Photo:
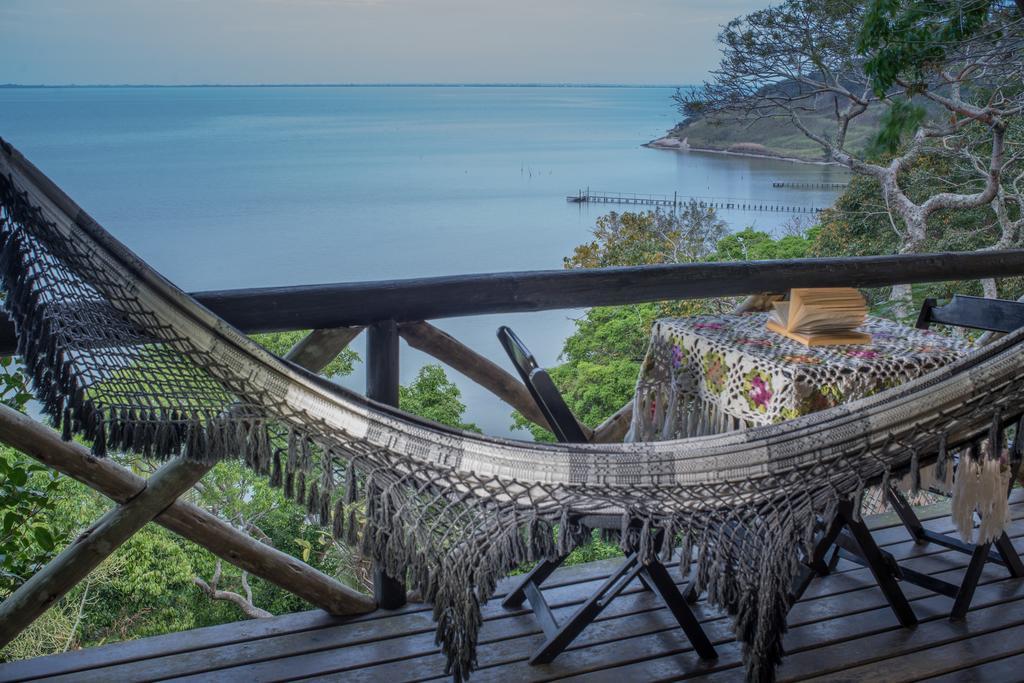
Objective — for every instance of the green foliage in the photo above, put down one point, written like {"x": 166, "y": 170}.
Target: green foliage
{"x": 147, "y": 587}
{"x": 907, "y": 42}
{"x": 28, "y": 540}
{"x": 279, "y": 343}
{"x": 28, "y": 536}
{"x": 148, "y": 592}
{"x": 591, "y": 550}
{"x": 755, "y": 245}
{"x": 14, "y": 391}
{"x": 900, "y": 120}
{"x": 636, "y": 239}
{"x": 433, "y": 396}
{"x": 909, "y": 38}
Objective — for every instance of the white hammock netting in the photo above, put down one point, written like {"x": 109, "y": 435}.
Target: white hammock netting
{"x": 122, "y": 357}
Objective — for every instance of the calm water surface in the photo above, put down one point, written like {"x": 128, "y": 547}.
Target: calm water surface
{"x": 240, "y": 187}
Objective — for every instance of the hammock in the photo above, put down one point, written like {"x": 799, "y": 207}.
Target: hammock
{"x": 120, "y": 356}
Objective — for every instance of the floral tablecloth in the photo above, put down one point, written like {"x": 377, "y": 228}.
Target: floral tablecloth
{"x": 712, "y": 374}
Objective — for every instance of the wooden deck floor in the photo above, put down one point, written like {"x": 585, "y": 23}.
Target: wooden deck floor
{"x": 841, "y": 631}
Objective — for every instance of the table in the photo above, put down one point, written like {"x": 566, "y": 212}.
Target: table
{"x": 716, "y": 373}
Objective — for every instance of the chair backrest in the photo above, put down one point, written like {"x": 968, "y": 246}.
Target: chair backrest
{"x": 993, "y": 315}
{"x": 563, "y": 423}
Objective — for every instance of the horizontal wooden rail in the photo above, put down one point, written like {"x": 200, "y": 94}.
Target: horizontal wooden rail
{"x": 274, "y": 309}
{"x": 324, "y": 306}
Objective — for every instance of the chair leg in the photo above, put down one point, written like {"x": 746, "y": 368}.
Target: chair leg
{"x": 1004, "y": 554}
{"x": 669, "y": 592}
{"x": 559, "y": 636}
{"x": 1011, "y": 558}
{"x": 815, "y": 564}
{"x": 881, "y": 564}
{"x": 901, "y": 506}
{"x": 536, "y": 576}
{"x": 965, "y": 593}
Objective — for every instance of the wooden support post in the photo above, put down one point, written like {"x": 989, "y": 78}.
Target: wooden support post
{"x": 320, "y": 347}
{"x": 382, "y": 385}
{"x": 613, "y": 430}
{"x": 98, "y": 542}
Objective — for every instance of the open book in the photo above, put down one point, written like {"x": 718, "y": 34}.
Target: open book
{"x": 817, "y": 317}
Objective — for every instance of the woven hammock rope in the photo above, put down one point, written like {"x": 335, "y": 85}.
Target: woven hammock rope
{"x": 120, "y": 356}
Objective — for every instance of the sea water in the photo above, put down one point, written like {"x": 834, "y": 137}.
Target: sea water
{"x": 230, "y": 187}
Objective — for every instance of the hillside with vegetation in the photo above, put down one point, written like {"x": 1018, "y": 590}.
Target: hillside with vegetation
{"x": 768, "y": 136}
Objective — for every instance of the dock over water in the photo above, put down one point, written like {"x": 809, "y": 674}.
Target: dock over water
{"x": 676, "y": 201}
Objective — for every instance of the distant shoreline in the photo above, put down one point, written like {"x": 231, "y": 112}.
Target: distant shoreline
{"x": 335, "y": 85}
{"x": 676, "y": 145}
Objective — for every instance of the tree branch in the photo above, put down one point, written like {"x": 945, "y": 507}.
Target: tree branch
{"x": 243, "y": 603}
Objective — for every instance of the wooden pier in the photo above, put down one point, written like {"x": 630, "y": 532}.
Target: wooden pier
{"x": 675, "y": 201}
{"x": 809, "y": 186}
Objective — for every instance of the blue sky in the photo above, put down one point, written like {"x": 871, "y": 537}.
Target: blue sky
{"x": 361, "y": 41}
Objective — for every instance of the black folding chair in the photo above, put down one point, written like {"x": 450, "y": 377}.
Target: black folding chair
{"x": 653, "y": 576}
{"x": 991, "y": 315}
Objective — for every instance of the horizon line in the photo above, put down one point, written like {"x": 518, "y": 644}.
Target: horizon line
{"x": 438, "y": 84}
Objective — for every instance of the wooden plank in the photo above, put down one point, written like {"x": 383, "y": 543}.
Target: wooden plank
{"x": 843, "y": 581}
{"x": 650, "y": 658}
{"x": 381, "y": 638}
{"x": 997, "y": 642}
{"x": 318, "y": 348}
{"x": 811, "y": 610}
{"x": 506, "y": 637}
{"x": 654, "y": 635}
{"x": 994, "y": 671}
{"x": 613, "y": 430}
{"x": 327, "y": 306}
{"x": 241, "y": 631}
{"x": 890, "y": 649}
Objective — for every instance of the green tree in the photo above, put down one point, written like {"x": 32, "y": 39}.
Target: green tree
{"x": 910, "y": 39}
{"x": 28, "y": 539}
{"x": 823, "y": 68}
{"x": 636, "y": 239}
{"x": 755, "y": 245}
{"x": 433, "y": 396}
{"x": 29, "y": 534}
